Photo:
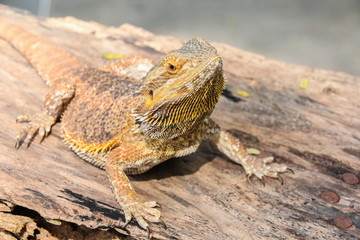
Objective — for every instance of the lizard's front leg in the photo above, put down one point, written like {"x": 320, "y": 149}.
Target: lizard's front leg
{"x": 133, "y": 159}
{"x": 236, "y": 151}
{"x": 55, "y": 102}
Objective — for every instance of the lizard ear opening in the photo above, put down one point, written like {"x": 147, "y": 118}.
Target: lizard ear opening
{"x": 149, "y": 97}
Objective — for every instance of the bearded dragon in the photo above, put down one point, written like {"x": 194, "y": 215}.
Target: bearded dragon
{"x": 131, "y": 115}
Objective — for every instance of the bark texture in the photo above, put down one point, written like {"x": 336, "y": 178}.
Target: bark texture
{"x": 47, "y": 192}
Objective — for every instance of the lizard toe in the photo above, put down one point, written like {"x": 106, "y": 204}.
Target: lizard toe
{"x": 143, "y": 213}
{"x": 151, "y": 204}
{"x": 39, "y": 123}
{"x": 261, "y": 169}
{"x": 23, "y": 118}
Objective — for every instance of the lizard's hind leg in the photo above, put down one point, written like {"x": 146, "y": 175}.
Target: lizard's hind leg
{"x": 41, "y": 123}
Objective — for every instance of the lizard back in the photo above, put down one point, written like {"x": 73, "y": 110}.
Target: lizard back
{"x": 99, "y": 114}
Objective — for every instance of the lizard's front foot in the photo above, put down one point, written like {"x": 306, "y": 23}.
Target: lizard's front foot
{"x": 261, "y": 168}
{"x": 143, "y": 213}
{"x": 40, "y": 123}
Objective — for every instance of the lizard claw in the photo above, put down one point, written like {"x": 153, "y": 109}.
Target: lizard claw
{"x": 142, "y": 213}
{"x": 279, "y": 178}
{"x": 39, "y": 123}
{"x": 263, "y": 180}
{"x": 163, "y": 223}
{"x": 261, "y": 169}
{"x": 17, "y": 143}
{"x": 290, "y": 170}
{"x": 248, "y": 178}
{"x": 127, "y": 221}
{"x": 149, "y": 236}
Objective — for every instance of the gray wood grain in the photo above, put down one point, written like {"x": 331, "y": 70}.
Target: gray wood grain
{"x": 315, "y": 131}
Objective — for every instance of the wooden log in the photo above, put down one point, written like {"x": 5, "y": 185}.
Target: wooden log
{"x": 313, "y": 130}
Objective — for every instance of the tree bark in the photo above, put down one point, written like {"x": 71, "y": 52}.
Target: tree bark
{"x": 48, "y": 192}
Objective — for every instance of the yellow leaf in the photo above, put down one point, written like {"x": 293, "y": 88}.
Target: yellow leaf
{"x": 54, "y": 221}
{"x": 110, "y": 56}
{"x": 243, "y": 93}
{"x": 304, "y": 83}
{"x": 253, "y": 151}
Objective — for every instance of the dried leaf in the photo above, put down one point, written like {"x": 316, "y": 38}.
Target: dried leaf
{"x": 304, "y": 83}
{"x": 54, "y": 221}
{"x": 243, "y": 93}
{"x": 253, "y": 151}
{"x": 110, "y": 56}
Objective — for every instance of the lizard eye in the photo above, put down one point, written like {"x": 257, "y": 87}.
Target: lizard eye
{"x": 171, "y": 68}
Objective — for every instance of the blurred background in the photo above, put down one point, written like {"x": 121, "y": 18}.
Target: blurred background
{"x": 321, "y": 34}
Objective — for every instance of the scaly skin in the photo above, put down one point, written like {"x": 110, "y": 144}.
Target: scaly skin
{"x": 130, "y": 116}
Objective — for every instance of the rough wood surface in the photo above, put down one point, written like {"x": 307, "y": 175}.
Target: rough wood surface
{"x": 315, "y": 131}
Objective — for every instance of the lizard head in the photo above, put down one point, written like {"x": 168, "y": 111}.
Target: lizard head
{"x": 180, "y": 91}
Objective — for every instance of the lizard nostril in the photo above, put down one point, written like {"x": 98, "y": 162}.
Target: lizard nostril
{"x": 151, "y": 94}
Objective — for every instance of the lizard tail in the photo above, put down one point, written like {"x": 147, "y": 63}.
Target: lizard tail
{"x": 49, "y": 61}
